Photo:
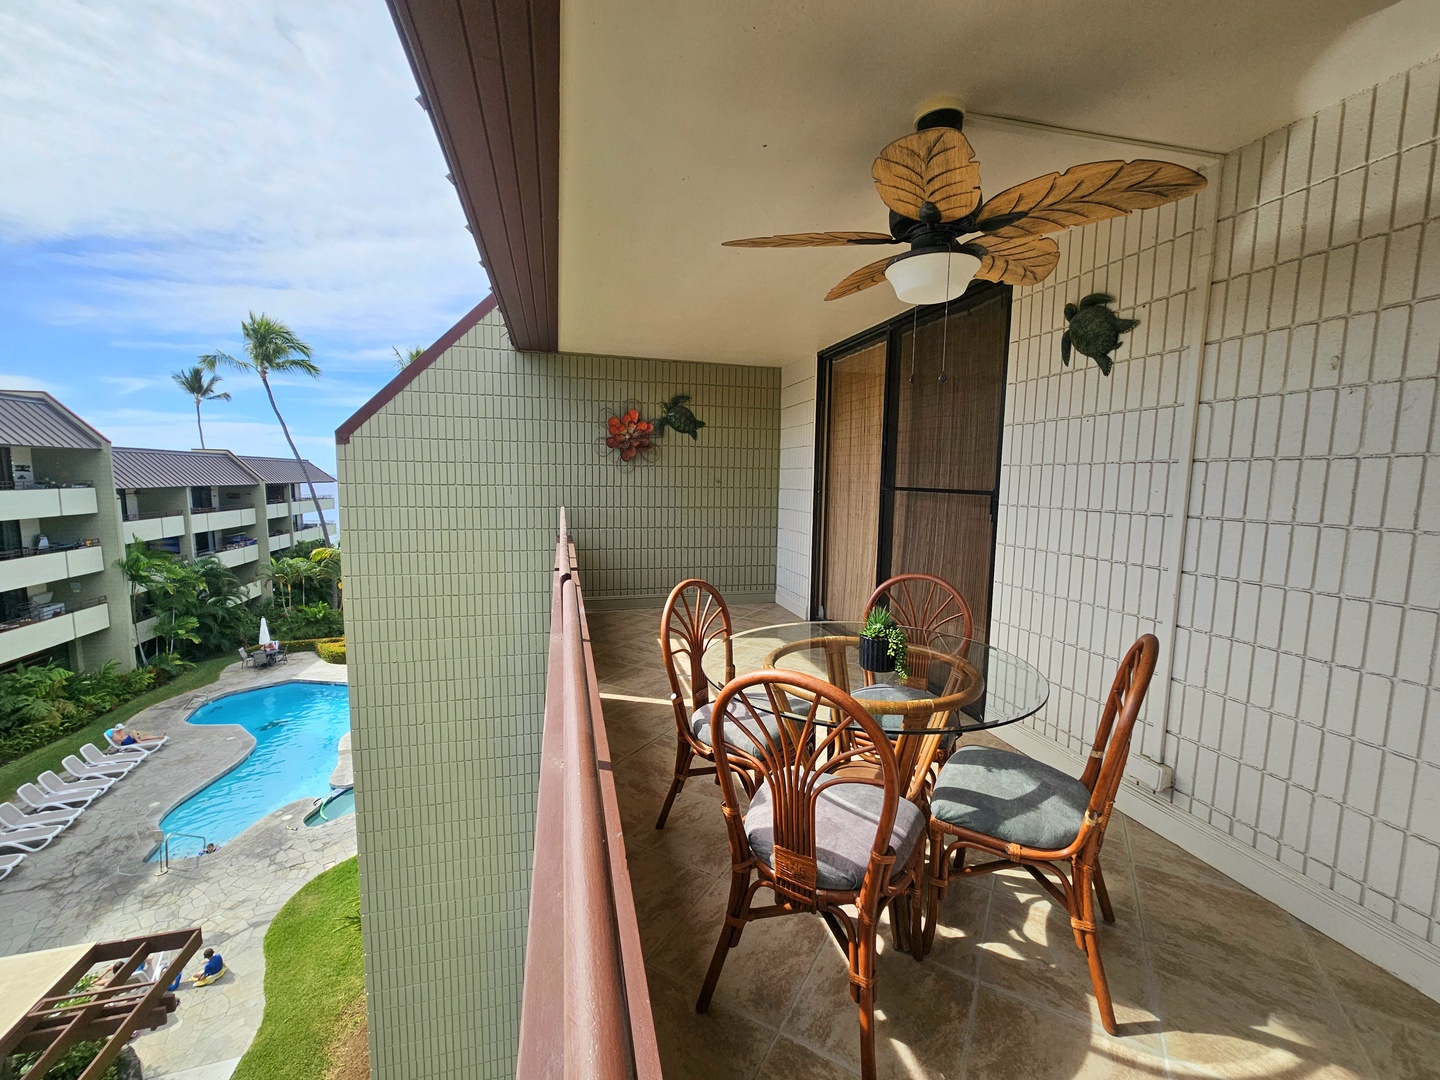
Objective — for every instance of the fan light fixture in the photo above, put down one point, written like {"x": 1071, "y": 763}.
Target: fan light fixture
{"x": 931, "y": 277}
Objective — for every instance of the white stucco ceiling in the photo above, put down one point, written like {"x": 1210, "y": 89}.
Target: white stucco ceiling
{"x": 685, "y": 123}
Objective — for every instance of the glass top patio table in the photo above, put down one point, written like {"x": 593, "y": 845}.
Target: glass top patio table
{"x": 995, "y": 688}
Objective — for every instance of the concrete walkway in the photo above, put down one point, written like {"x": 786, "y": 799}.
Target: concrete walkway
{"x": 92, "y": 883}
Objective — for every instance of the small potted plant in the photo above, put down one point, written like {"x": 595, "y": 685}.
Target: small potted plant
{"x": 883, "y": 645}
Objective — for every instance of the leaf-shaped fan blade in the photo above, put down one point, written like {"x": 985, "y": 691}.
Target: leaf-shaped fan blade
{"x": 1085, "y": 193}
{"x": 1021, "y": 260}
{"x": 861, "y": 279}
{"x": 935, "y": 166}
{"x": 813, "y": 239}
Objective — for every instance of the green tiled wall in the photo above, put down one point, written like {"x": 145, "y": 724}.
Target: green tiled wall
{"x": 451, "y": 493}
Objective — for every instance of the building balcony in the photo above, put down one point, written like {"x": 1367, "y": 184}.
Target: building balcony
{"x": 277, "y": 509}
{"x": 46, "y": 502}
{"x": 20, "y": 638}
{"x": 147, "y": 527}
{"x": 208, "y": 519}
{"x": 238, "y": 555}
{"x": 145, "y": 629}
{"x": 308, "y": 534}
{"x": 252, "y": 590}
{"x": 30, "y": 566}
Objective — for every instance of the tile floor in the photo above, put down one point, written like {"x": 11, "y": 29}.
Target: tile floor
{"x": 1209, "y": 979}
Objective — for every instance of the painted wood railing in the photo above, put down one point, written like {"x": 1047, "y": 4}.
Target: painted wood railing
{"x": 586, "y": 1006}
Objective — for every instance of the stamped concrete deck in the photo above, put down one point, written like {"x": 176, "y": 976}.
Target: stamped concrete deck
{"x": 1209, "y": 979}
{"x": 92, "y": 884}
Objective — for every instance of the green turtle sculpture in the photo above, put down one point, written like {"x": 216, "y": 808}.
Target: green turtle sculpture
{"x": 675, "y": 414}
{"x": 1094, "y": 330}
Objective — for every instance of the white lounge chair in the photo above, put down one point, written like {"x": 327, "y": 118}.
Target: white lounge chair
{"x": 84, "y": 771}
{"x": 36, "y": 799}
{"x": 145, "y": 746}
{"x": 8, "y": 863}
{"x": 12, "y": 817}
{"x": 93, "y": 755}
{"x": 29, "y": 839}
{"x": 52, "y": 784}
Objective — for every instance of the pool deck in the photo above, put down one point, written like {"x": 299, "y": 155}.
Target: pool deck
{"x": 92, "y": 884}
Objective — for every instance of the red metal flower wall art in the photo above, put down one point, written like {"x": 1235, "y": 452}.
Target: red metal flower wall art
{"x": 630, "y": 437}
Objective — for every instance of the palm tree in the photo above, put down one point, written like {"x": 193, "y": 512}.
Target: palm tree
{"x": 195, "y": 383}
{"x": 270, "y": 345}
{"x": 408, "y": 357}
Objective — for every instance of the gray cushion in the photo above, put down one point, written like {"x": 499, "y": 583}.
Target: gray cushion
{"x": 846, "y": 815}
{"x": 1011, "y": 797}
{"x": 734, "y": 733}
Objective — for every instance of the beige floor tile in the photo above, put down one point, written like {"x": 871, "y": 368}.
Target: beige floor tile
{"x": 1029, "y": 951}
{"x": 715, "y": 1045}
{"x": 1223, "y": 926}
{"x": 922, "y": 1012}
{"x": 665, "y": 892}
{"x": 1236, "y": 1024}
{"x": 1397, "y": 1051}
{"x": 763, "y": 974}
{"x": 960, "y": 928}
{"x": 788, "y": 1060}
{"x": 1015, "y": 1040}
{"x": 1358, "y": 982}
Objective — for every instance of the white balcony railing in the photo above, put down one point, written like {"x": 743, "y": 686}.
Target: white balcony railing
{"x": 16, "y": 505}
{"x": 23, "y": 637}
{"x": 31, "y": 566}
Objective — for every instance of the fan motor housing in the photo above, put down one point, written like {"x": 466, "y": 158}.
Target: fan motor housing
{"x": 946, "y": 116}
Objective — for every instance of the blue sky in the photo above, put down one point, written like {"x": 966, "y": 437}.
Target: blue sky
{"x": 171, "y": 166}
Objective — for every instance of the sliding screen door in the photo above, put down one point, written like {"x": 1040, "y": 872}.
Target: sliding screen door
{"x": 939, "y": 495}
{"x": 854, "y": 427}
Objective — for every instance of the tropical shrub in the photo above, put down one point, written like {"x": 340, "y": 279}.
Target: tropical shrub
{"x": 332, "y": 652}
{"x": 45, "y": 702}
{"x": 310, "y": 621}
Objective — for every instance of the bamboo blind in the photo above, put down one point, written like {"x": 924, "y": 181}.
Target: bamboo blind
{"x": 852, "y": 480}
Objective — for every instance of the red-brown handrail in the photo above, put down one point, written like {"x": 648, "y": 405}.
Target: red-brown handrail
{"x": 586, "y": 1005}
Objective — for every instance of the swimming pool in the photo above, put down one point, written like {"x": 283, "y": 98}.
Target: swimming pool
{"x": 297, "y": 728}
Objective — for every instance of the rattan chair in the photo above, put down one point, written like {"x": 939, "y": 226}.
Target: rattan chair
{"x": 1026, "y": 814}
{"x": 695, "y": 620}
{"x": 929, "y": 609}
{"x": 821, "y": 839}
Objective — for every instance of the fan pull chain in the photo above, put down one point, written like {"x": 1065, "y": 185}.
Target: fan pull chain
{"x": 945, "y": 326}
{"x": 914, "y": 338}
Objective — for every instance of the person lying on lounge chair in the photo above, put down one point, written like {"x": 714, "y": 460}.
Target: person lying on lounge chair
{"x": 213, "y": 969}
{"x": 123, "y": 736}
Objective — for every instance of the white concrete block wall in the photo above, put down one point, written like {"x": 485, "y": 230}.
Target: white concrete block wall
{"x": 1301, "y": 717}
{"x": 797, "y": 485}
{"x": 1306, "y": 719}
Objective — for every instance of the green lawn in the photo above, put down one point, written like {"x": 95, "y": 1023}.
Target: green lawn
{"x": 23, "y": 770}
{"x": 314, "y": 975}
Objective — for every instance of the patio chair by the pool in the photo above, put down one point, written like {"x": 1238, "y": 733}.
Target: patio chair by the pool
{"x": 29, "y": 839}
{"x": 145, "y": 746}
{"x": 12, "y": 817}
{"x": 93, "y": 755}
{"x": 51, "y": 784}
{"x": 9, "y": 862}
{"x": 81, "y": 770}
{"x": 36, "y": 799}
{"x": 246, "y": 659}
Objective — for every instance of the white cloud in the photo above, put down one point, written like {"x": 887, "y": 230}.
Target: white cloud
{"x": 186, "y": 162}
{"x": 125, "y": 385}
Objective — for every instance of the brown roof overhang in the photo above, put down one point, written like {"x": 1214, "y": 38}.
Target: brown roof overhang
{"x": 489, "y": 74}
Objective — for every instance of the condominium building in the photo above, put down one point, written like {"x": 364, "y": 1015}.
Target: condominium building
{"x": 60, "y": 591}
{"x": 62, "y": 535}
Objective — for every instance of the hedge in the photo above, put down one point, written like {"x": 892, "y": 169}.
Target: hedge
{"x": 308, "y": 645}
{"x": 332, "y": 652}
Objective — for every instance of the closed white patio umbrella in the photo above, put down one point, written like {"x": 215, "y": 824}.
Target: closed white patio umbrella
{"x": 264, "y": 633}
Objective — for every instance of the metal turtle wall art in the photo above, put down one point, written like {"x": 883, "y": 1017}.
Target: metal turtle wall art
{"x": 676, "y": 414}
{"x": 1094, "y": 330}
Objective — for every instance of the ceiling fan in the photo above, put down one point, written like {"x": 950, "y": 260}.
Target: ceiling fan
{"x": 930, "y": 180}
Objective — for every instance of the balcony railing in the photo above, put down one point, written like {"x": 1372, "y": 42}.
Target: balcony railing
{"x": 40, "y": 485}
{"x": 50, "y": 611}
{"x": 28, "y": 552}
{"x": 586, "y": 1005}
{"x": 150, "y": 515}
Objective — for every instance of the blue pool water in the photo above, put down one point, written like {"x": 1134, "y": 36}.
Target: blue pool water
{"x": 297, "y": 729}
